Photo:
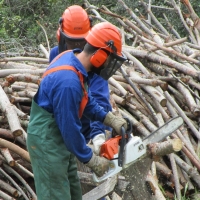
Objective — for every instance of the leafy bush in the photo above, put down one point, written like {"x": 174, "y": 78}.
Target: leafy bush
{"x": 18, "y": 17}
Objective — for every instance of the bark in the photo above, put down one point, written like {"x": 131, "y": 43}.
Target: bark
{"x": 14, "y": 65}
{"x": 155, "y": 94}
{"x": 9, "y": 169}
{"x": 113, "y": 82}
{"x": 139, "y": 94}
{"x": 14, "y": 183}
{"x": 5, "y": 186}
{"x": 182, "y": 114}
{"x": 5, "y": 196}
{"x": 176, "y": 177}
{"x": 192, "y": 158}
{"x": 138, "y": 64}
{"x": 119, "y": 100}
{"x": 140, "y": 23}
{"x": 137, "y": 125}
{"x": 39, "y": 60}
{"x": 22, "y": 77}
{"x": 189, "y": 183}
{"x": 190, "y": 170}
{"x": 162, "y": 60}
{"x": 136, "y": 77}
{"x": 114, "y": 90}
{"x": 24, "y": 154}
{"x": 5, "y": 152}
{"x": 6, "y": 72}
{"x": 193, "y": 15}
{"x": 10, "y": 113}
{"x": 23, "y": 170}
{"x": 7, "y": 134}
{"x": 189, "y": 99}
{"x": 167, "y": 147}
{"x": 153, "y": 182}
{"x": 170, "y": 51}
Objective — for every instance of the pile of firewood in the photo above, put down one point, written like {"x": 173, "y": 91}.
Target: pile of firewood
{"x": 159, "y": 81}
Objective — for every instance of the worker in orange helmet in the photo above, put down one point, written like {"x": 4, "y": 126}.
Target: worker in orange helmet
{"x": 74, "y": 26}
{"x": 54, "y": 131}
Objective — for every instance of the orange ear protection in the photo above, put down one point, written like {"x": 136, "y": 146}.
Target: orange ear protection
{"x": 98, "y": 58}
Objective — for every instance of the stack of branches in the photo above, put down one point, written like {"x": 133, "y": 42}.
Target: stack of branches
{"x": 159, "y": 81}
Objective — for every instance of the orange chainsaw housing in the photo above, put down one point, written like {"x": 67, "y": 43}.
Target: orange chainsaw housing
{"x": 110, "y": 148}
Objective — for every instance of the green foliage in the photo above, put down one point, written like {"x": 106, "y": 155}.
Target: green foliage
{"x": 18, "y": 17}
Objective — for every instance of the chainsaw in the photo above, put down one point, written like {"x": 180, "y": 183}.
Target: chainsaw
{"x": 126, "y": 149}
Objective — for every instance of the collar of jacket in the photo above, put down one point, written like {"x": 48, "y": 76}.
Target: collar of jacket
{"x": 77, "y": 64}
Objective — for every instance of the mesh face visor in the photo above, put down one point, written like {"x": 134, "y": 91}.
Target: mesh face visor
{"x": 67, "y": 42}
{"x": 112, "y": 64}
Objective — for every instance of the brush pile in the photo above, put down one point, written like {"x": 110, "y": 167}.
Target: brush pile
{"x": 159, "y": 81}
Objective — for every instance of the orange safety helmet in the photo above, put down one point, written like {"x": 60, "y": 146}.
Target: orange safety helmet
{"x": 102, "y": 35}
{"x": 108, "y": 57}
{"x": 74, "y": 27}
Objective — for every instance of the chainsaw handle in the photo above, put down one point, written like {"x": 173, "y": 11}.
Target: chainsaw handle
{"x": 122, "y": 145}
{"x": 113, "y": 169}
{"x": 124, "y": 140}
{"x": 129, "y": 127}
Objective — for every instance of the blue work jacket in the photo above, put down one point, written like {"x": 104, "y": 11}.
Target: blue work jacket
{"x": 60, "y": 93}
{"x": 98, "y": 89}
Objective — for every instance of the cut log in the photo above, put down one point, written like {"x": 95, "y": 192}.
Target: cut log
{"x": 10, "y": 113}
{"x": 167, "y": 147}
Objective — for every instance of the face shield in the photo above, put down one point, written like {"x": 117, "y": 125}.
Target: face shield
{"x": 111, "y": 65}
{"x": 67, "y": 42}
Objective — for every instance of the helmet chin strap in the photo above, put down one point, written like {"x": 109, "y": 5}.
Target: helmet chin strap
{"x": 62, "y": 45}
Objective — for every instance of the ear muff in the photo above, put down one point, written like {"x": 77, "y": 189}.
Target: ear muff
{"x": 60, "y": 21}
{"x": 98, "y": 58}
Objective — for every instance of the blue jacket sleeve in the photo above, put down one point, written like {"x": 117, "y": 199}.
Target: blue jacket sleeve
{"x": 94, "y": 111}
{"x": 53, "y": 53}
{"x": 100, "y": 91}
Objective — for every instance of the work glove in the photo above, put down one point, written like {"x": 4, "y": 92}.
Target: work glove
{"x": 97, "y": 141}
{"x": 115, "y": 122}
{"x": 91, "y": 146}
{"x": 99, "y": 165}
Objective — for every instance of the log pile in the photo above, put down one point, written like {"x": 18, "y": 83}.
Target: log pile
{"x": 159, "y": 81}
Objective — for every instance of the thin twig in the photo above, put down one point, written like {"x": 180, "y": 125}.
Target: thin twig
{"x": 45, "y": 35}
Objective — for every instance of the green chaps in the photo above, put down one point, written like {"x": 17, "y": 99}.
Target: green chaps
{"x": 54, "y": 167}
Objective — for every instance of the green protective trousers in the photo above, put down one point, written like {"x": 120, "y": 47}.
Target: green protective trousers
{"x": 54, "y": 167}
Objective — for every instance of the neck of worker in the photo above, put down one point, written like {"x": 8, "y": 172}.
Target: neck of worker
{"x": 85, "y": 60}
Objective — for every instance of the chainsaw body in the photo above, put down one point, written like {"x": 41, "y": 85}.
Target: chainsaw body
{"x": 126, "y": 149}
{"x": 133, "y": 150}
